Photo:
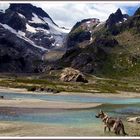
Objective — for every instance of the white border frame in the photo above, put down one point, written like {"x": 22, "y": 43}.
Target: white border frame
{"x": 55, "y": 137}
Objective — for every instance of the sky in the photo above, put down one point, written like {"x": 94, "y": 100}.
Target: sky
{"x": 66, "y": 14}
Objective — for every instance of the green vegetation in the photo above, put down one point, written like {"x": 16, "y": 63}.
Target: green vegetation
{"x": 123, "y": 59}
{"x": 95, "y": 84}
{"x": 76, "y": 32}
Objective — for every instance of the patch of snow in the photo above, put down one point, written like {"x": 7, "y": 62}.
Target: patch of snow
{"x": 55, "y": 29}
{"x": 91, "y": 39}
{"x": 57, "y": 45}
{"x": 53, "y": 44}
{"x": 66, "y": 30}
{"x": 44, "y": 30}
{"x": 120, "y": 22}
{"x": 56, "y": 32}
{"x": 8, "y": 28}
{"x": 124, "y": 19}
{"x": 88, "y": 22}
{"x": 36, "y": 19}
{"x": 23, "y": 37}
{"x": 30, "y": 28}
{"x": 22, "y": 16}
{"x": 31, "y": 42}
{"x": 51, "y": 37}
{"x": 21, "y": 33}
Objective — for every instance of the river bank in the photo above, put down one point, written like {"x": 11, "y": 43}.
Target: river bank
{"x": 118, "y": 94}
{"x": 22, "y": 129}
{"x": 37, "y": 103}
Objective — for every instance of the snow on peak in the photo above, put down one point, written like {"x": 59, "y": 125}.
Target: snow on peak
{"x": 54, "y": 28}
{"x": 21, "y": 35}
{"x": 36, "y": 19}
{"x": 22, "y": 16}
{"x": 8, "y": 28}
{"x": 124, "y": 19}
{"x": 42, "y": 30}
{"x": 30, "y": 28}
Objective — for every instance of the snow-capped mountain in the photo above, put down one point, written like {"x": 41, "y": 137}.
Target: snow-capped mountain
{"x": 33, "y": 25}
{"x": 28, "y": 36}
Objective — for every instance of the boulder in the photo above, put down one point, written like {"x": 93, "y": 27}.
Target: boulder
{"x": 72, "y": 75}
{"x": 134, "y": 119}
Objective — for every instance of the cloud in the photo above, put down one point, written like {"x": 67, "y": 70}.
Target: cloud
{"x": 4, "y": 6}
{"x": 68, "y": 13}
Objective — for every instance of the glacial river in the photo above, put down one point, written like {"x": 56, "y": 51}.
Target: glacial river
{"x": 118, "y": 107}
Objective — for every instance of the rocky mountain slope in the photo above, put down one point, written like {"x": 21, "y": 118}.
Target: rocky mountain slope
{"x": 111, "y": 49}
{"x": 27, "y": 35}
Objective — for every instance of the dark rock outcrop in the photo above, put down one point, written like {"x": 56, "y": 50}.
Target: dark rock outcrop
{"x": 17, "y": 55}
{"x": 13, "y": 20}
{"x": 115, "y": 18}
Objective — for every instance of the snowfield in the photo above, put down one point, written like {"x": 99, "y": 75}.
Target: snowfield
{"x": 54, "y": 32}
{"x": 21, "y": 34}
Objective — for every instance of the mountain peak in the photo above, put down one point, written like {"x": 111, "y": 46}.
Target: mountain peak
{"x": 20, "y": 5}
{"x": 118, "y": 11}
{"x": 119, "y": 14}
{"x": 27, "y": 10}
{"x": 115, "y": 18}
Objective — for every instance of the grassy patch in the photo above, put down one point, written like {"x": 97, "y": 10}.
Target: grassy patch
{"x": 95, "y": 84}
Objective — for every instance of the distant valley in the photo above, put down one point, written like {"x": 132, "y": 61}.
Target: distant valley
{"x": 31, "y": 35}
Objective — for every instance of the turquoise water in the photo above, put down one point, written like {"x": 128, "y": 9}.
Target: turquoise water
{"x": 72, "y": 98}
{"x": 113, "y": 106}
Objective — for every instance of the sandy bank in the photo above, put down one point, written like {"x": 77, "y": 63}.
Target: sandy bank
{"x": 36, "y": 103}
{"x": 121, "y": 94}
{"x": 22, "y": 129}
